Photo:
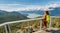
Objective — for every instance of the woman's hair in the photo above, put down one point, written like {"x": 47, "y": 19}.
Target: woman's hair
{"x": 47, "y": 12}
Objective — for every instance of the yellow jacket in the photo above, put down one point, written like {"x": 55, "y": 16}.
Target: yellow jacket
{"x": 48, "y": 18}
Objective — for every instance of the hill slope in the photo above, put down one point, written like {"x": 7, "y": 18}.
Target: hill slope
{"x": 10, "y": 16}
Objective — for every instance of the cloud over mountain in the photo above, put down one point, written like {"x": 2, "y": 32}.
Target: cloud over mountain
{"x": 17, "y": 7}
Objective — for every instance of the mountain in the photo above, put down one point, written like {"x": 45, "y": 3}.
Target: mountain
{"x": 26, "y": 13}
{"x": 54, "y": 12}
{"x": 10, "y": 16}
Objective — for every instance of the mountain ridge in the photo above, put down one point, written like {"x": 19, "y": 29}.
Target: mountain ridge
{"x": 54, "y": 12}
{"x": 10, "y": 16}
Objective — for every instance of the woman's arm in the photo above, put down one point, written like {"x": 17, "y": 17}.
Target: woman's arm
{"x": 44, "y": 17}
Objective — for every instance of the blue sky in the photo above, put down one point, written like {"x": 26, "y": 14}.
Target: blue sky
{"x": 12, "y": 5}
{"x": 28, "y": 2}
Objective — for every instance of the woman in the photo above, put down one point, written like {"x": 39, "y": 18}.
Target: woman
{"x": 46, "y": 19}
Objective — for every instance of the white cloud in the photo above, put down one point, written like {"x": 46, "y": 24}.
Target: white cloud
{"x": 19, "y": 7}
{"x": 16, "y": 7}
{"x": 33, "y": 15}
{"x": 53, "y": 5}
{"x": 30, "y": 8}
